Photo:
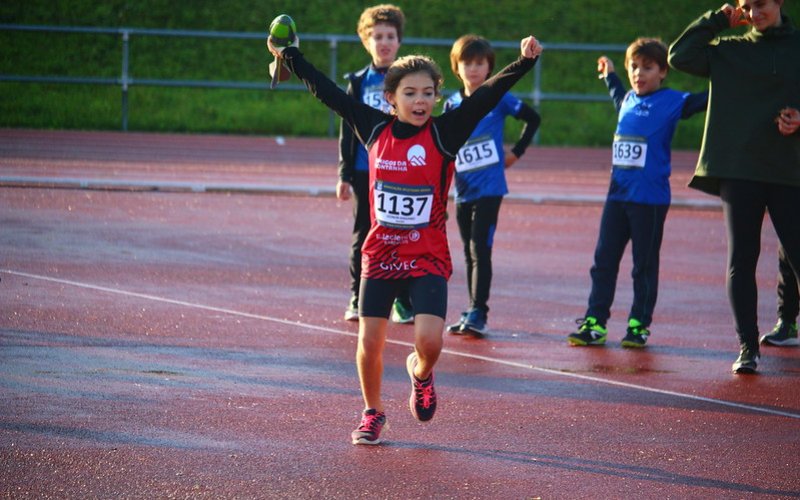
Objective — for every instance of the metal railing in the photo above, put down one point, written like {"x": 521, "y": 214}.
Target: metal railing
{"x": 126, "y": 80}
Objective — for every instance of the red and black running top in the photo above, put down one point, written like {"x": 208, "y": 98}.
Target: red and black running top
{"x": 409, "y": 180}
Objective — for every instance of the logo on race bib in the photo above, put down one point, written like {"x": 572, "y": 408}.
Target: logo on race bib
{"x": 416, "y": 155}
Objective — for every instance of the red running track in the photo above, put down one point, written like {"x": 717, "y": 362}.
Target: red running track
{"x": 176, "y": 332}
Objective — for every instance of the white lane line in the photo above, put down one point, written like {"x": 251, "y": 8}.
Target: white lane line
{"x": 260, "y": 188}
{"x": 514, "y": 364}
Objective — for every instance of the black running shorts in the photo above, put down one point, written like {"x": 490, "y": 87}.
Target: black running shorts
{"x": 428, "y": 296}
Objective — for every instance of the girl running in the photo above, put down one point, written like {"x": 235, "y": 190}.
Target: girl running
{"x": 410, "y": 170}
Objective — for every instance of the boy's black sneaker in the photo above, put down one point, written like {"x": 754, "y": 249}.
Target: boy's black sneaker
{"x": 455, "y": 328}
{"x": 351, "y": 313}
{"x": 747, "y": 361}
{"x": 475, "y": 323}
{"x": 636, "y": 336}
{"x": 783, "y": 335}
{"x": 589, "y": 333}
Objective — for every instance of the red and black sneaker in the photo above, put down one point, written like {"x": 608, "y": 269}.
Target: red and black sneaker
{"x": 369, "y": 430}
{"x": 423, "y": 396}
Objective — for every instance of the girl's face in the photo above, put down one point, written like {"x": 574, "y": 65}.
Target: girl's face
{"x": 414, "y": 99}
{"x": 382, "y": 44}
{"x": 762, "y": 14}
{"x": 473, "y": 73}
{"x": 645, "y": 75}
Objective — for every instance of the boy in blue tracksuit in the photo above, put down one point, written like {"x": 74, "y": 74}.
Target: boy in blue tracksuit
{"x": 480, "y": 175}
{"x": 639, "y": 194}
{"x": 380, "y": 28}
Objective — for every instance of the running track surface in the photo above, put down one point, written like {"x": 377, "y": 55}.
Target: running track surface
{"x": 170, "y": 327}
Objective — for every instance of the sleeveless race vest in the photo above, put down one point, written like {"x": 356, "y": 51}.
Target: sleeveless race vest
{"x": 409, "y": 180}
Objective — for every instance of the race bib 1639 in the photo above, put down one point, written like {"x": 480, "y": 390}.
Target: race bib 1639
{"x": 629, "y": 152}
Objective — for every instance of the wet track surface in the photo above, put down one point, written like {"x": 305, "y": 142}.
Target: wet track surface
{"x": 177, "y": 333}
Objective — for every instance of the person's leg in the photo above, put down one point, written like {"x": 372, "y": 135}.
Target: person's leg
{"x": 743, "y": 207}
{"x": 484, "y": 225}
{"x": 611, "y": 241}
{"x": 375, "y": 302}
{"x": 431, "y": 293}
{"x": 361, "y": 223}
{"x": 647, "y": 231}
{"x": 614, "y": 235}
{"x": 369, "y": 359}
{"x": 464, "y": 215}
{"x": 788, "y": 296}
{"x": 784, "y": 333}
{"x": 781, "y": 204}
{"x": 427, "y": 343}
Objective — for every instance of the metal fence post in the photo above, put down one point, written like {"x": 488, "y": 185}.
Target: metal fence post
{"x": 537, "y": 91}
{"x": 333, "y": 56}
{"x": 124, "y": 82}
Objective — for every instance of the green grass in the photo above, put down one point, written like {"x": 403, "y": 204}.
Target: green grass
{"x": 82, "y": 106}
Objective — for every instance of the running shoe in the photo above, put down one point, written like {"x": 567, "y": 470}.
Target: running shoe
{"x": 636, "y": 335}
{"x": 369, "y": 430}
{"x": 475, "y": 323}
{"x": 589, "y": 333}
{"x": 784, "y": 334}
{"x": 423, "y": 396}
{"x": 455, "y": 328}
{"x": 351, "y": 313}
{"x": 747, "y": 361}
{"x": 402, "y": 313}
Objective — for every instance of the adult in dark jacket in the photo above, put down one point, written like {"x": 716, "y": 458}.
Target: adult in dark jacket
{"x": 750, "y": 155}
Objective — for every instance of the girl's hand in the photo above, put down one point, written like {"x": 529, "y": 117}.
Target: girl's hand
{"x": 736, "y": 16}
{"x": 604, "y": 67}
{"x": 530, "y": 47}
{"x": 788, "y": 121}
{"x": 277, "y": 51}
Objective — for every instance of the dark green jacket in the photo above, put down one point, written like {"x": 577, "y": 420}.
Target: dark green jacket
{"x": 751, "y": 78}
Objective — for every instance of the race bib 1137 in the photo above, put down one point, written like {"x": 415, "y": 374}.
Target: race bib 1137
{"x": 401, "y": 206}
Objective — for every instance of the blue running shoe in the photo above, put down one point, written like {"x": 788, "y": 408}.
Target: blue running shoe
{"x": 475, "y": 323}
